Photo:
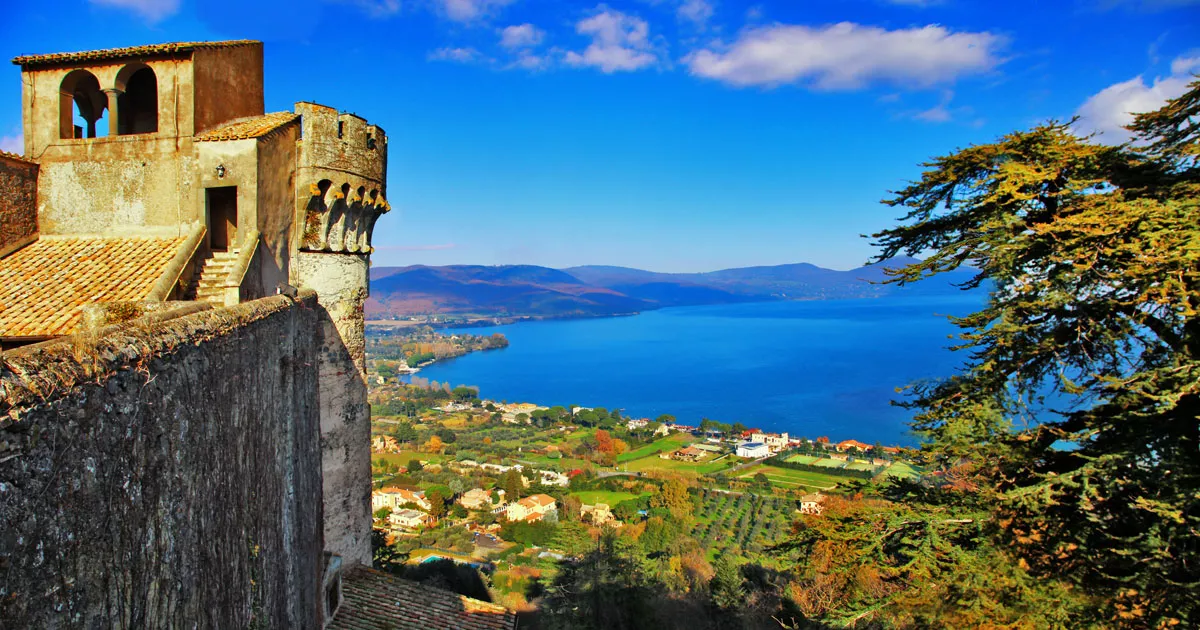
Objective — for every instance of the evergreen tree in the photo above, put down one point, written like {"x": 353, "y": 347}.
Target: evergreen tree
{"x": 727, "y": 585}
{"x": 1076, "y": 424}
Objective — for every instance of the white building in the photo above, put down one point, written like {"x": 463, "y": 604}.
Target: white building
{"x": 552, "y": 478}
{"x": 408, "y": 519}
{"x": 396, "y": 497}
{"x": 753, "y": 450}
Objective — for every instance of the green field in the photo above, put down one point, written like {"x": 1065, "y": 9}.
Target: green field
{"x": 592, "y": 497}
{"x": 860, "y": 466}
{"x": 794, "y": 479}
{"x": 830, "y": 463}
{"x": 403, "y": 457}
{"x": 669, "y": 443}
{"x": 903, "y": 470}
{"x": 803, "y": 459}
{"x": 705, "y": 467}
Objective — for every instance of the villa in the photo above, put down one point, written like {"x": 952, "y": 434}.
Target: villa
{"x": 408, "y": 519}
{"x": 753, "y": 450}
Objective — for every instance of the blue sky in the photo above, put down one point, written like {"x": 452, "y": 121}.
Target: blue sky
{"x": 674, "y": 135}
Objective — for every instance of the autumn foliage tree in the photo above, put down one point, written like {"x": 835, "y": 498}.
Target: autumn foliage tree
{"x": 1075, "y": 426}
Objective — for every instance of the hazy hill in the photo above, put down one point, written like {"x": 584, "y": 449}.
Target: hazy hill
{"x": 503, "y": 290}
{"x": 528, "y": 290}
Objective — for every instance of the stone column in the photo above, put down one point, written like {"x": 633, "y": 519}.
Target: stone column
{"x": 340, "y": 280}
{"x": 114, "y": 96}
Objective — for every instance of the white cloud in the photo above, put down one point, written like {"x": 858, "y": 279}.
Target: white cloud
{"x": 521, "y": 36}
{"x": 939, "y": 113}
{"x": 377, "y": 8}
{"x": 465, "y": 54}
{"x": 848, "y": 56}
{"x": 13, "y": 144}
{"x": 1107, "y": 112}
{"x": 1185, "y": 65}
{"x": 153, "y": 11}
{"x": 620, "y": 43}
{"x": 697, "y": 12}
{"x": 530, "y": 61}
{"x": 471, "y": 10}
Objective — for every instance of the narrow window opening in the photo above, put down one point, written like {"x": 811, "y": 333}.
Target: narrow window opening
{"x": 341, "y": 128}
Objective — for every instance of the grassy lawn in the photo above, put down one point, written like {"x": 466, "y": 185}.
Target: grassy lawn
{"x": 794, "y": 478}
{"x": 860, "y": 466}
{"x": 592, "y": 497}
{"x": 803, "y": 459}
{"x": 403, "y": 457}
{"x": 699, "y": 468}
{"x": 830, "y": 463}
{"x": 903, "y": 470}
{"x": 669, "y": 443}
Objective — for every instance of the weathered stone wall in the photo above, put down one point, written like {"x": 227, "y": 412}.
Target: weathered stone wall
{"x": 276, "y": 198}
{"x": 341, "y": 281}
{"x": 165, "y": 474}
{"x": 18, "y": 201}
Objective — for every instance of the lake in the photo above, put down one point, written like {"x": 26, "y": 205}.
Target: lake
{"x": 812, "y": 368}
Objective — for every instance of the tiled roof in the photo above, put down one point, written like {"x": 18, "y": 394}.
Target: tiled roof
{"x": 374, "y": 601}
{"x": 541, "y": 499}
{"x": 151, "y": 50}
{"x": 44, "y": 285}
{"x": 245, "y": 128}
{"x": 14, "y": 156}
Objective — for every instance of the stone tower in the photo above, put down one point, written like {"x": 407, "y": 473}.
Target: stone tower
{"x": 341, "y": 175}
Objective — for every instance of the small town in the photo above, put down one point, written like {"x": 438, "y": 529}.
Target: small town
{"x": 490, "y": 497}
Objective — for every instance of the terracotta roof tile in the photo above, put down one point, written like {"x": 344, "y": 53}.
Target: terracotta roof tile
{"x": 245, "y": 128}
{"x": 374, "y": 600}
{"x": 131, "y": 51}
{"x": 44, "y": 285}
{"x": 15, "y": 156}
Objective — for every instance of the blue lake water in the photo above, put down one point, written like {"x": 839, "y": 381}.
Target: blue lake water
{"x": 809, "y": 368}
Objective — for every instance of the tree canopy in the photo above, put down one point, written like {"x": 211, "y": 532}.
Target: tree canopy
{"x": 1075, "y": 425}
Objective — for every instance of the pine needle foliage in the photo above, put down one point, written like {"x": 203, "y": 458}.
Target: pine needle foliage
{"x": 1077, "y": 418}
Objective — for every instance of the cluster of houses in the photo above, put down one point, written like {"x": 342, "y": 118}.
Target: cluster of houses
{"x": 755, "y": 444}
{"x": 410, "y": 508}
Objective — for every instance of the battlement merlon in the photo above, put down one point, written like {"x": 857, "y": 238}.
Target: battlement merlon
{"x": 340, "y": 145}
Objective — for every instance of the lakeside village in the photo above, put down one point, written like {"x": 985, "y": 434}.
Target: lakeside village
{"x": 489, "y": 497}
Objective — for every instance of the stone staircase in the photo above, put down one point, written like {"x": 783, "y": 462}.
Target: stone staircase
{"x": 209, "y": 285}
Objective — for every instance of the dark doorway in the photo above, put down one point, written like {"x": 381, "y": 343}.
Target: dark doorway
{"x": 222, "y": 217}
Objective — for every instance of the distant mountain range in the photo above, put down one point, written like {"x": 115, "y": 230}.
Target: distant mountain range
{"x": 532, "y": 291}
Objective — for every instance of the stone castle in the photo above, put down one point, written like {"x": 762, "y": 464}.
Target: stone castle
{"x": 184, "y": 432}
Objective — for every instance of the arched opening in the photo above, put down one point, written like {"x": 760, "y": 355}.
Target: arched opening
{"x": 323, "y": 186}
{"x": 81, "y": 107}
{"x": 137, "y": 106}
